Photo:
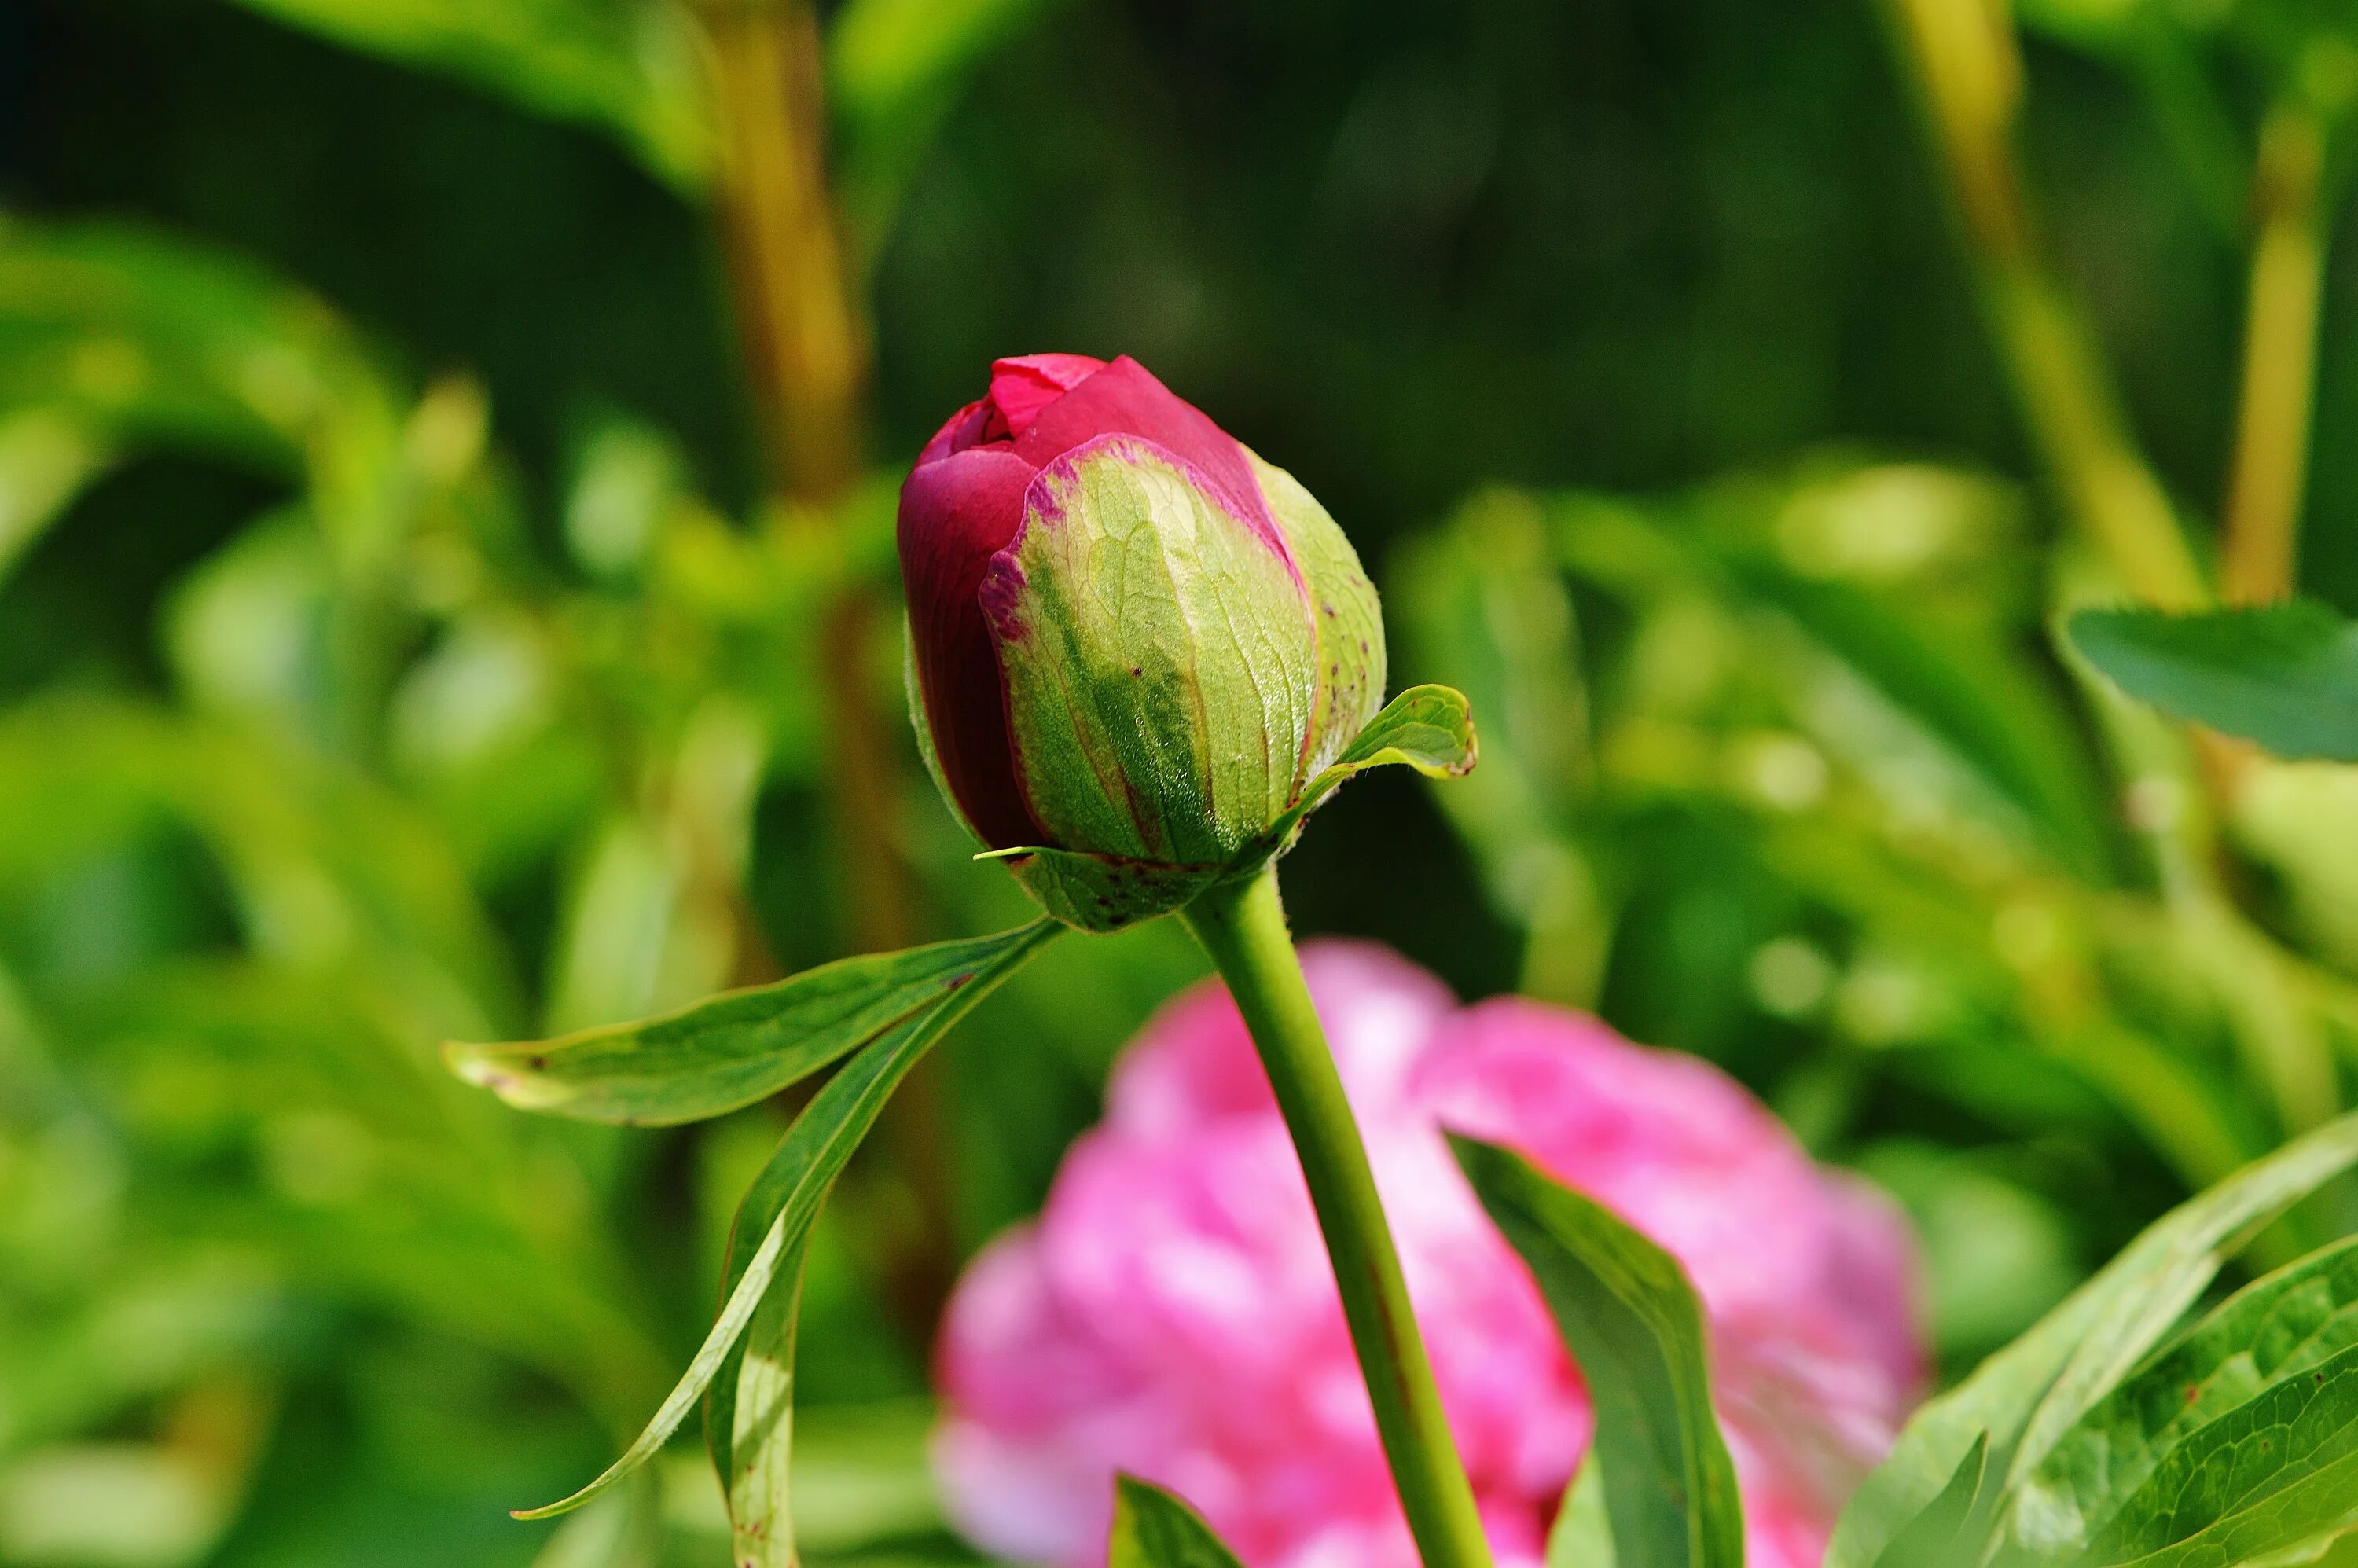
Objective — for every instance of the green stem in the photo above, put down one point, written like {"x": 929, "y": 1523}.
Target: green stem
{"x": 1242, "y": 925}
{"x": 1961, "y": 57}
{"x": 2279, "y": 360}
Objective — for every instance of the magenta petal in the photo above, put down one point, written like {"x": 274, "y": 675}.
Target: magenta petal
{"x": 959, "y": 431}
{"x": 1021, "y": 387}
{"x": 955, "y": 514}
{"x": 1124, "y": 398}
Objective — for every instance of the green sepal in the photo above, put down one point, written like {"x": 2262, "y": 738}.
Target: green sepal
{"x": 1344, "y": 614}
{"x": 1104, "y": 892}
{"x": 1159, "y": 659}
{"x": 1427, "y": 728}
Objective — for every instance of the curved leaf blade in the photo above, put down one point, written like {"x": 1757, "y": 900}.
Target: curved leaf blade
{"x": 1581, "y": 1536}
{"x": 2025, "y": 1397}
{"x": 1155, "y": 1528}
{"x": 1942, "y": 1536}
{"x": 2274, "y": 1476}
{"x": 799, "y": 1173}
{"x": 2280, "y": 1328}
{"x": 732, "y": 1050}
{"x": 2284, "y": 676}
{"x": 1634, "y": 1326}
{"x": 1427, "y": 728}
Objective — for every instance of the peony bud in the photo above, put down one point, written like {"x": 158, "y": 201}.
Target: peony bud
{"x": 1133, "y": 644}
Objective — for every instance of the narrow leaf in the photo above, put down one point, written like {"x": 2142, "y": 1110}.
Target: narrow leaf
{"x": 1632, "y": 1323}
{"x": 2025, "y": 1397}
{"x": 1154, "y": 1528}
{"x": 800, "y": 1171}
{"x": 2284, "y": 676}
{"x": 734, "y": 1050}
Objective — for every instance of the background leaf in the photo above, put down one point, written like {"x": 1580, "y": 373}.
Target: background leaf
{"x": 629, "y": 66}
{"x": 2284, "y": 676}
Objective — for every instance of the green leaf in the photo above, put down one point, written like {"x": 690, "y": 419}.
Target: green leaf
{"x": 2284, "y": 676}
{"x": 2279, "y": 1328}
{"x": 129, "y": 335}
{"x": 1940, "y": 1536}
{"x": 47, "y": 459}
{"x": 1427, "y": 728}
{"x": 772, "y": 1230}
{"x": 1966, "y": 704}
{"x": 629, "y": 66}
{"x": 2275, "y": 1476}
{"x": 1632, "y": 1323}
{"x": 2024, "y": 1399}
{"x": 717, "y": 1055}
{"x": 1581, "y": 1536}
{"x": 895, "y": 68}
{"x": 1154, "y": 1528}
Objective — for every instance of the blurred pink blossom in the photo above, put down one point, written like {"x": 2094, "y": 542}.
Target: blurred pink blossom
{"x": 1172, "y": 1312}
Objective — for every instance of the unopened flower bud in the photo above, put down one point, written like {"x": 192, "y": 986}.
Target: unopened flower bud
{"x": 1133, "y": 644}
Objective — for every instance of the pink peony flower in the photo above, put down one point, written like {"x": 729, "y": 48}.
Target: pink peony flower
{"x": 1172, "y": 1312}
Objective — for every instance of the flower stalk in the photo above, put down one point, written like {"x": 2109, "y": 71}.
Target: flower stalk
{"x": 806, "y": 345}
{"x": 1241, "y": 924}
{"x": 1961, "y": 57}
{"x": 2287, "y": 288}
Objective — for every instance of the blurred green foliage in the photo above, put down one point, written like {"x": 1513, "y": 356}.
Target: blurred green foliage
{"x": 400, "y": 641}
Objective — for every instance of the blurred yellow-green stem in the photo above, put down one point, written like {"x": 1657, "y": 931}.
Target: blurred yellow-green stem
{"x": 2272, "y": 433}
{"x": 806, "y": 348}
{"x": 1962, "y": 58}
{"x": 1242, "y": 925}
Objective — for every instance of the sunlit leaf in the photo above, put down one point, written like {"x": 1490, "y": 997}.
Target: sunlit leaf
{"x": 795, "y": 1181}
{"x": 1636, "y": 1330}
{"x": 1997, "y": 729}
{"x": 47, "y": 456}
{"x": 715, "y": 1056}
{"x": 2024, "y": 1399}
{"x": 2287, "y": 1325}
{"x": 2275, "y": 1476}
{"x": 2284, "y": 676}
{"x": 1942, "y": 1534}
{"x": 137, "y": 337}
